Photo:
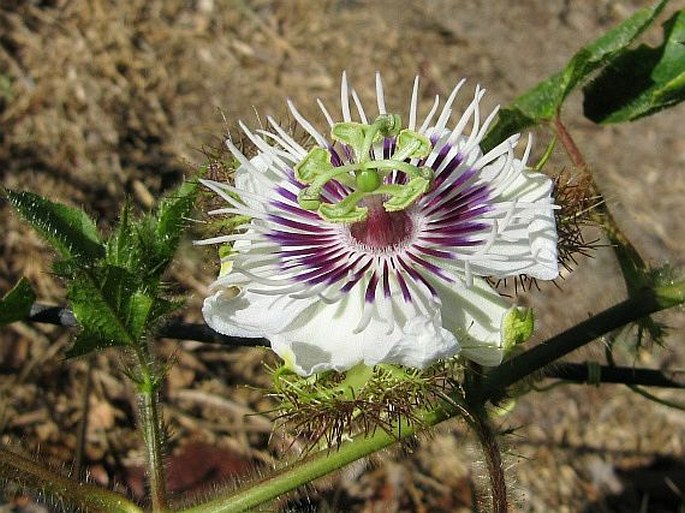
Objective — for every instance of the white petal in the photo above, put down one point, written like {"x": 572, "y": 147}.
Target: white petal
{"x": 322, "y": 338}
{"x": 314, "y": 336}
{"x": 258, "y": 178}
{"x": 423, "y": 341}
{"x": 475, "y": 314}
{"x": 246, "y": 314}
{"x": 526, "y": 239}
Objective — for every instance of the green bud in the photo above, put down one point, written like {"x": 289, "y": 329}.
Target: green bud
{"x": 517, "y": 327}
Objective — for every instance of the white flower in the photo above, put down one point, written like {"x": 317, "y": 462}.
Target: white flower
{"x": 372, "y": 245}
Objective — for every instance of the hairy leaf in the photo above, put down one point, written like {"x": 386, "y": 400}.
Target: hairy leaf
{"x": 642, "y": 81}
{"x": 172, "y": 218}
{"x": 543, "y": 101}
{"x": 16, "y": 304}
{"x": 114, "y": 307}
{"x": 123, "y": 249}
{"x": 110, "y": 308}
{"x": 69, "y": 230}
{"x": 158, "y": 235}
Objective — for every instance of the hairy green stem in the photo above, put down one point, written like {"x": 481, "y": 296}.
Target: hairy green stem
{"x": 151, "y": 424}
{"x": 493, "y": 458}
{"x": 60, "y": 489}
{"x": 315, "y": 466}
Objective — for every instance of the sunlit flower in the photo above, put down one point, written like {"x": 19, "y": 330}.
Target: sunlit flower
{"x": 371, "y": 243}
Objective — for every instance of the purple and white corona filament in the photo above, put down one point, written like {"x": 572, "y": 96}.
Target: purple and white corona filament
{"x": 371, "y": 245}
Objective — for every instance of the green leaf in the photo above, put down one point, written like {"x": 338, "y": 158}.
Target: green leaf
{"x": 146, "y": 246}
{"x": 543, "y": 101}
{"x": 642, "y": 81}
{"x": 97, "y": 301}
{"x": 70, "y": 231}
{"x": 114, "y": 309}
{"x": 170, "y": 222}
{"x": 16, "y": 304}
{"x": 123, "y": 249}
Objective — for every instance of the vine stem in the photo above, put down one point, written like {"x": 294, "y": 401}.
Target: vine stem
{"x": 493, "y": 459}
{"x": 650, "y": 300}
{"x": 151, "y": 424}
{"x": 317, "y": 465}
{"x": 61, "y": 489}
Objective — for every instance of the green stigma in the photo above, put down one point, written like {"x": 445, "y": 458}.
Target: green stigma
{"x": 366, "y": 176}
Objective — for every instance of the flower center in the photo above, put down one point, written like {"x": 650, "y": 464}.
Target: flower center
{"x": 382, "y": 229}
{"x": 364, "y": 174}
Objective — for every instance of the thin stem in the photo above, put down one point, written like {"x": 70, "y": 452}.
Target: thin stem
{"x": 475, "y": 415}
{"x": 177, "y": 329}
{"x": 630, "y": 260}
{"x": 173, "y": 328}
{"x": 579, "y": 373}
{"x": 493, "y": 458}
{"x": 79, "y": 467}
{"x": 664, "y": 402}
{"x": 315, "y": 466}
{"x": 60, "y": 489}
{"x": 571, "y": 147}
{"x": 151, "y": 423}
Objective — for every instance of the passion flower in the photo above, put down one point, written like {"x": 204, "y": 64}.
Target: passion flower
{"x": 373, "y": 244}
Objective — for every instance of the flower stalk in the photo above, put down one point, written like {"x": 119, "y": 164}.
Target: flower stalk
{"x": 632, "y": 264}
{"x": 493, "y": 458}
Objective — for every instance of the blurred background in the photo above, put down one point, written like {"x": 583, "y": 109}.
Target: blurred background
{"x": 102, "y": 100}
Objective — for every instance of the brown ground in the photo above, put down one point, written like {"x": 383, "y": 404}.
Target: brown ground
{"x": 100, "y": 99}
